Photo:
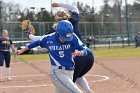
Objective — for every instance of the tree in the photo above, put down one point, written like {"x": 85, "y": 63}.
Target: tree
{"x": 30, "y": 15}
{"x": 119, "y": 4}
{"x": 86, "y": 12}
{"x": 10, "y": 11}
{"x": 44, "y": 16}
{"x": 137, "y": 1}
{"x": 136, "y": 10}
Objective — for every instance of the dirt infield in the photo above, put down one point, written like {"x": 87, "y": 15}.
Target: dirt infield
{"x": 108, "y": 75}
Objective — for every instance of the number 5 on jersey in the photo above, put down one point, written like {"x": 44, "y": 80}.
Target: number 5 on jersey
{"x": 61, "y": 54}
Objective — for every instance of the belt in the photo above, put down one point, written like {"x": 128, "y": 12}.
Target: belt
{"x": 64, "y": 68}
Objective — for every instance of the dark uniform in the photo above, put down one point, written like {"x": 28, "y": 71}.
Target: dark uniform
{"x": 82, "y": 63}
{"x": 75, "y": 22}
{"x": 5, "y": 51}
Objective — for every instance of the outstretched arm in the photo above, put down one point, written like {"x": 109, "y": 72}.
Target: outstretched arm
{"x": 34, "y": 38}
{"x": 67, "y": 6}
{"x": 18, "y": 52}
{"x": 29, "y": 30}
{"x": 30, "y": 46}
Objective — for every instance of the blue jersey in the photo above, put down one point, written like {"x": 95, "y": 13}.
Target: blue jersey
{"x": 60, "y": 53}
{"x": 5, "y": 44}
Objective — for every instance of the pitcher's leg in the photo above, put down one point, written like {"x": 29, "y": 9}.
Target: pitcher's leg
{"x": 82, "y": 82}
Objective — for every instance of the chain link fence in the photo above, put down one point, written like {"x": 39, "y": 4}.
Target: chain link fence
{"x": 103, "y": 34}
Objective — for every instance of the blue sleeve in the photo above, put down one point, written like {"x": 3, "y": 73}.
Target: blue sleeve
{"x": 85, "y": 51}
{"x": 78, "y": 45}
{"x": 40, "y": 43}
{"x": 34, "y": 44}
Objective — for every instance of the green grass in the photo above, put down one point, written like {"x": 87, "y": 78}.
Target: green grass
{"x": 33, "y": 57}
{"x": 98, "y": 53}
{"x": 117, "y": 52}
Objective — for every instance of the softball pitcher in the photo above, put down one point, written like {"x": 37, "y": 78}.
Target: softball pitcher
{"x": 62, "y": 46}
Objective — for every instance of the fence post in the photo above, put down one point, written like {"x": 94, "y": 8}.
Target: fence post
{"x": 127, "y": 22}
{"x": 0, "y": 16}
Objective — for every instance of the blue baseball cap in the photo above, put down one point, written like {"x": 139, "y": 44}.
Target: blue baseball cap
{"x": 65, "y": 30}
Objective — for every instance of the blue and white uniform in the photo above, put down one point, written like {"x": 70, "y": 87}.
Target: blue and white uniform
{"x": 5, "y": 51}
{"x": 62, "y": 63}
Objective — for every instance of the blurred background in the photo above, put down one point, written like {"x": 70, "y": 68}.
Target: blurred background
{"x": 102, "y": 22}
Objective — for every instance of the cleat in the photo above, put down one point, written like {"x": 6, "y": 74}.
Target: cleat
{"x": 9, "y": 79}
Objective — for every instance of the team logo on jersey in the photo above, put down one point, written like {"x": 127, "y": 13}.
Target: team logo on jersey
{"x": 6, "y": 42}
{"x": 49, "y": 42}
{"x": 62, "y": 47}
{"x": 68, "y": 35}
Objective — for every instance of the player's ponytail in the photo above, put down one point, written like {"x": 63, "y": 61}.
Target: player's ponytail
{"x": 62, "y": 15}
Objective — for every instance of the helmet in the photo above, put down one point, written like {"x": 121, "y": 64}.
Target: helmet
{"x": 65, "y": 30}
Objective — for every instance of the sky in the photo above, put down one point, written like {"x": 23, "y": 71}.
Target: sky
{"x": 46, "y": 3}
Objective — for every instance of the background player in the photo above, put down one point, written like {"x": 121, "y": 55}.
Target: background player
{"x": 61, "y": 46}
{"x": 5, "y": 45}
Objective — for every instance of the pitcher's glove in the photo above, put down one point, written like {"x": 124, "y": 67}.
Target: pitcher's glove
{"x": 27, "y": 28}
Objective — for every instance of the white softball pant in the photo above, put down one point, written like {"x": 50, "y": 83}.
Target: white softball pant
{"x": 63, "y": 81}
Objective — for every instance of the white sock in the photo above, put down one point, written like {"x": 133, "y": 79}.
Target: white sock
{"x": 0, "y": 71}
{"x": 82, "y": 82}
{"x": 8, "y": 70}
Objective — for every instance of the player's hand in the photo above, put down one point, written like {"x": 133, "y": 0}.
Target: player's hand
{"x": 77, "y": 53}
{"x": 18, "y": 52}
{"x": 55, "y": 5}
